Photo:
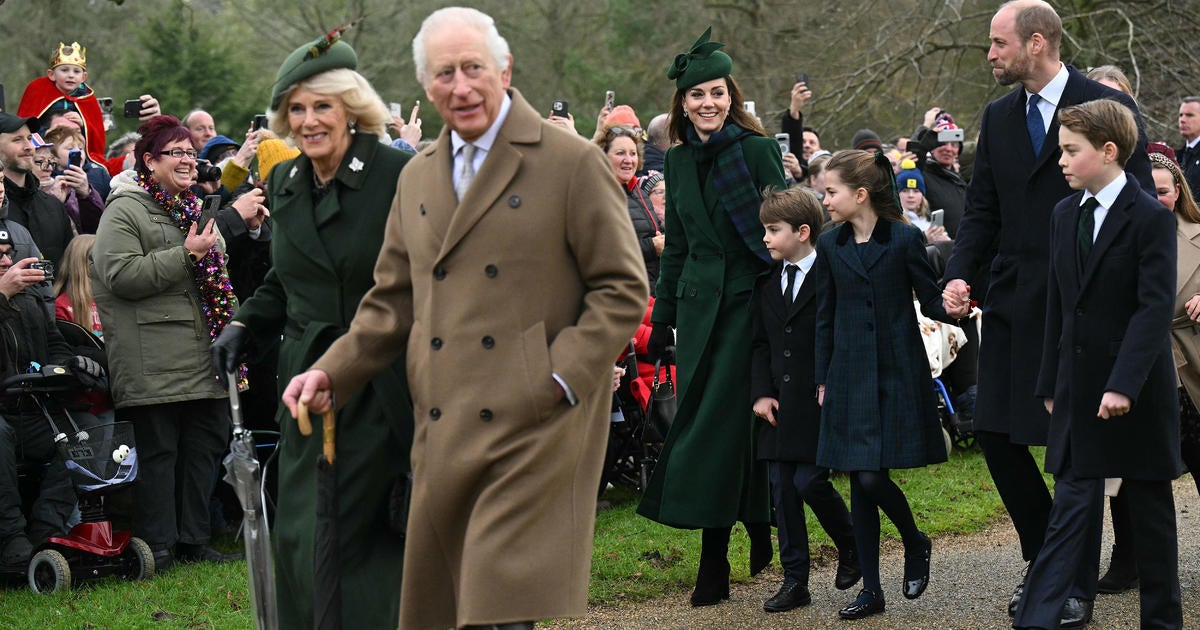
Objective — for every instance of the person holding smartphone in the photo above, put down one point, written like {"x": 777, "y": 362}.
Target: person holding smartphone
{"x": 82, "y": 200}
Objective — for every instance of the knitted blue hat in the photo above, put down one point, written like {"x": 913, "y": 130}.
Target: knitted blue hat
{"x": 909, "y": 177}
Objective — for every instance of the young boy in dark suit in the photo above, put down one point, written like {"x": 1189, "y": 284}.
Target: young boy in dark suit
{"x": 783, "y": 388}
{"x": 1107, "y": 374}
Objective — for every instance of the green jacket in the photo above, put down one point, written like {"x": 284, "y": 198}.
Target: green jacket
{"x": 145, "y": 289}
{"x": 323, "y": 260}
{"x": 706, "y": 474}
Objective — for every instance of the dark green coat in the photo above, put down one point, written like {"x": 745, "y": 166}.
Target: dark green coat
{"x": 323, "y": 259}
{"x": 707, "y": 475}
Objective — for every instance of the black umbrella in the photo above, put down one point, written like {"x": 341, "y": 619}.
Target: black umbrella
{"x": 327, "y": 587}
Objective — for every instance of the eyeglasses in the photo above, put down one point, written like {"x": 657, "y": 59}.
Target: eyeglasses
{"x": 51, "y": 164}
{"x": 632, "y": 132}
{"x": 658, "y": 191}
{"x": 179, "y": 154}
{"x": 9, "y": 253}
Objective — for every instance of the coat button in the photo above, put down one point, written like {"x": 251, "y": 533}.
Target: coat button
{"x": 1079, "y": 312}
{"x": 1078, "y": 349}
{"x": 435, "y": 413}
{"x": 488, "y": 342}
{"x": 436, "y": 343}
{"x": 717, "y": 293}
{"x": 485, "y": 415}
{"x": 490, "y": 271}
{"x": 422, "y": 209}
{"x": 787, "y": 378}
{"x": 514, "y": 201}
{"x": 787, "y": 329}
{"x": 787, "y": 353}
{"x": 692, "y": 293}
{"x": 439, "y": 272}
{"x": 694, "y": 257}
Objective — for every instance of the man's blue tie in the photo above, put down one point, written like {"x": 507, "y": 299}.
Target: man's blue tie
{"x": 1035, "y": 124}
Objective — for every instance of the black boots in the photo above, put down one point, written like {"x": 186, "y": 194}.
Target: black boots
{"x": 1122, "y": 572}
{"x": 761, "y": 548}
{"x": 712, "y": 580}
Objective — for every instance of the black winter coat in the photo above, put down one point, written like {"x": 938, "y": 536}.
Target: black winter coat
{"x": 645, "y": 225}
{"x": 44, "y": 216}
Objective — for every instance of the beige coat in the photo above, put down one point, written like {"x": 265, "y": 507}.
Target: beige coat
{"x": 536, "y": 272}
{"x": 1185, "y": 334}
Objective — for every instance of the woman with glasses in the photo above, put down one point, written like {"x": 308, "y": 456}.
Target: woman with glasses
{"x": 329, "y": 206}
{"x": 163, "y": 293}
{"x": 623, "y": 148}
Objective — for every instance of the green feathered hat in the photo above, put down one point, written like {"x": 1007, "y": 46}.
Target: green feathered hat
{"x": 703, "y": 62}
{"x": 315, "y": 57}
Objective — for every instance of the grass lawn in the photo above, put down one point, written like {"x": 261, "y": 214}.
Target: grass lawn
{"x": 635, "y": 559}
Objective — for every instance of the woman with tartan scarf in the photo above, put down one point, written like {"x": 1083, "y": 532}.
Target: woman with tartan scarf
{"x": 163, "y": 293}
{"x": 707, "y": 476}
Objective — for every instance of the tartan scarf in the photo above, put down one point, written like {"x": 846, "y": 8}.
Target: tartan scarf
{"x": 735, "y": 186}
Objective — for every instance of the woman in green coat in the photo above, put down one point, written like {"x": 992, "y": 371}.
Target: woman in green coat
{"x": 329, "y": 207}
{"x": 707, "y": 476}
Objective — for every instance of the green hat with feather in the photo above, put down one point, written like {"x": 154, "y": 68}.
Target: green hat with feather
{"x": 703, "y": 62}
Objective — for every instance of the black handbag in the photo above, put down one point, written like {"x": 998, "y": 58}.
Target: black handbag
{"x": 661, "y": 411}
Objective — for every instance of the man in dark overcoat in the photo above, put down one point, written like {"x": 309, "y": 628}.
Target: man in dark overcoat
{"x": 1015, "y": 185}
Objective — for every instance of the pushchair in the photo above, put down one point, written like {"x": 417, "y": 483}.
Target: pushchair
{"x": 635, "y": 441}
{"x": 100, "y": 460}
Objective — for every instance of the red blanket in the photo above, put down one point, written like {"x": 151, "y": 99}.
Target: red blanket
{"x": 41, "y": 93}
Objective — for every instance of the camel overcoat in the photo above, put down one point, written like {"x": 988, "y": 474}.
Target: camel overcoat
{"x": 535, "y": 273}
{"x": 1185, "y": 333}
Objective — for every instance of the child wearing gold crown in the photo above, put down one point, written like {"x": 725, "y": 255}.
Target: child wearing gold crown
{"x": 64, "y": 87}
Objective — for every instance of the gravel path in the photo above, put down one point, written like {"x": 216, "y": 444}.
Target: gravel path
{"x": 971, "y": 580}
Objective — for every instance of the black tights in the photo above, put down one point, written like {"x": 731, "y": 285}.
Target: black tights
{"x": 871, "y": 491}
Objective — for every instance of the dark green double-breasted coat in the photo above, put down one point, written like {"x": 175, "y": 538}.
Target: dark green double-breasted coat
{"x": 707, "y": 475}
{"x": 323, "y": 258}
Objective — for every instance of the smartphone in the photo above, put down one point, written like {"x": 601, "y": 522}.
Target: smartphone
{"x": 106, "y": 104}
{"x": 750, "y": 109}
{"x": 785, "y": 142}
{"x": 395, "y": 110}
{"x": 208, "y": 212}
{"x": 802, "y": 77}
{"x": 938, "y": 217}
{"x": 558, "y": 108}
{"x": 75, "y": 158}
{"x": 1, "y": 97}
{"x": 610, "y": 97}
{"x": 950, "y": 135}
{"x": 133, "y": 108}
{"x": 260, "y": 122}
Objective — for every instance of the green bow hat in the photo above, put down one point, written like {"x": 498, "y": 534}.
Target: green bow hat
{"x": 704, "y": 62}
{"x": 315, "y": 57}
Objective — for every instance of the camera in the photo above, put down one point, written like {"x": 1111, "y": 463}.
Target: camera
{"x": 206, "y": 172}
{"x": 46, "y": 267}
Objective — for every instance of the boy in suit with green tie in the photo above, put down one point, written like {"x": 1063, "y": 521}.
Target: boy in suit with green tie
{"x": 1107, "y": 374}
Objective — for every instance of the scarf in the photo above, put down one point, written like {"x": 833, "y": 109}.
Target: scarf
{"x": 214, "y": 293}
{"x": 735, "y": 186}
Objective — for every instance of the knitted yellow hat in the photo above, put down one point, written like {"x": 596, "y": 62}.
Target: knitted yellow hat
{"x": 272, "y": 152}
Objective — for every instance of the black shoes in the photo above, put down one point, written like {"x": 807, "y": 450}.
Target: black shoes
{"x": 1018, "y": 593}
{"x": 848, "y": 571}
{"x": 185, "y": 552}
{"x": 916, "y": 568}
{"x": 163, "y": 560}
{"x": 792, "y": 594}
{"x": 866, "y": 604}
{"x": 1076, "y": 613}
{"x": 1121, "y": 575}
{"x": 16, "y": 552}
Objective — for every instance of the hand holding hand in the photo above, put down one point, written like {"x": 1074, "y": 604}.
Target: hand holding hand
{"x": 956, "y": 298}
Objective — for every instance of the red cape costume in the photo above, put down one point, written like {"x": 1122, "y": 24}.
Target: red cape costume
{"x": 41, "y": 93}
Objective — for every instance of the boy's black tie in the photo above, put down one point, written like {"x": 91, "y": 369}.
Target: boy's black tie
{"x": 790, "y": 291}
{"x": 1086, "y": 226}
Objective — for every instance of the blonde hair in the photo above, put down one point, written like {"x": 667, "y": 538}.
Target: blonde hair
{"x": 74, "y": 279}
{"x": 1185, "y": 205}
{"x": 363, "y": 106}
